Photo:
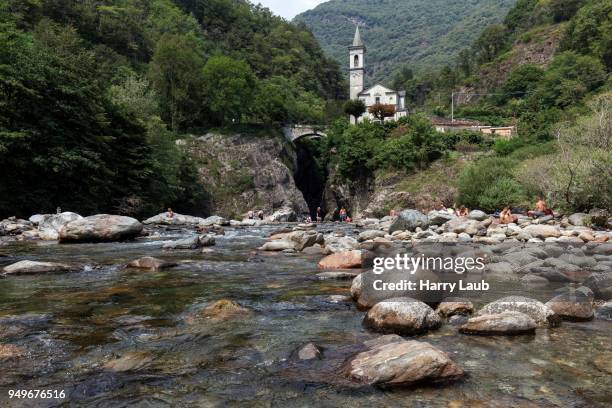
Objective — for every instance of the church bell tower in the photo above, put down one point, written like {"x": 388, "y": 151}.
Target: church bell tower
{"x": 357, "y": 65}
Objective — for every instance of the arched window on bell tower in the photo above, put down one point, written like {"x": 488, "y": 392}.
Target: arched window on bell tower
{"x": 356, "y": 61}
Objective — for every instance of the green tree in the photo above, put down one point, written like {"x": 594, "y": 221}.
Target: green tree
{"x": 176, "y": 74}
{"x": 491, "y": 42}
{"x": 229, "y": 87}
{"x": 590, "y": 31}
{"x": 355, "y": 107}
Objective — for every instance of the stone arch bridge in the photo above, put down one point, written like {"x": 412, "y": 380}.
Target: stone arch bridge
{"x": 296, "y": 132}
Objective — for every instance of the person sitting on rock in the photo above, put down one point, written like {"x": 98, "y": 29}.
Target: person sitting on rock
{"x": 462, "y": 211}
{"x": 343, "y": 215}
{"x": 251, "y": 215}
{"x": 319, "y": 216}
{"x": 260, "y": 215}
{"x": 393, "y": 213}
{"x": 541, "y": 209}
{"x": 506, "y": 216}
{"x": 170, "y": 213}
{"x": 308, "y": 220}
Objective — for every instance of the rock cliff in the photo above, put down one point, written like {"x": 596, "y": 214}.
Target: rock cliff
{"x": 243, "y": 172}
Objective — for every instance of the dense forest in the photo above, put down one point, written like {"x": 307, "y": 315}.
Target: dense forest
{"x": 420, "y": 33}
{"x": 547, "y": 70}
{"x": 93, "y": 95}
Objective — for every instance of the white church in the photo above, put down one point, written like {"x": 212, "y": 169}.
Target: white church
{"x": 377, "y": 94}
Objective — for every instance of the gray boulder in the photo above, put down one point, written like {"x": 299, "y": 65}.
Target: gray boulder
{"x": 369, "y": 235}
{"x": 535, "y": 309}
{"x": 543, "y": 231}
{"x": 463, "y": 225}
{"x": 51, "y": 224}
{"x": 282, "y": 215}
{"x": 439, "y": 217}
{"x": 405, "y": 316}
{"x": 100, "y": 228}
{"x": 213, "y": 220}
{"x": 477, "y": 215}
{"x": 409, "y": 220}
{"x": 577, "y": 219}
{"x": 36, "y": 268}
{"x": 176, "y": 219}
{"x": 504, "y": 323}
{"x": 194, "y": 242}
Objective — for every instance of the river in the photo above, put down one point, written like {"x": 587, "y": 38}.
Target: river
{"x": 70, "y": 326}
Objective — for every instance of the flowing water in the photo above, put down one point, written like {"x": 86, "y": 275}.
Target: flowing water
{"x": 68, "y": 327}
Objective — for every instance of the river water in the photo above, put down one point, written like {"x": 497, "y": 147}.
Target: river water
{"x": 70, "y": 326}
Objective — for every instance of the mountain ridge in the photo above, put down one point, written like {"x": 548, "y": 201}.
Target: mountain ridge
{"x": 419, "y": 33}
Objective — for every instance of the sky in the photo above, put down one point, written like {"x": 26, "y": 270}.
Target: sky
{"x": 288, "y": 8}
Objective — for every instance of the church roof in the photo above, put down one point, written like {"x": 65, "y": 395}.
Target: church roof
{"x": 357, "y": 42}
{"x": 383, "y": 89}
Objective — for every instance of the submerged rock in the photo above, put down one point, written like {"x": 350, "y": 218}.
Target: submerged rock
{"x": 604, "y": 311}
{"x": 8, "y": 351}
{"x": 194, "y": 242}
{"x": 309, "y": 352}
{"x": 224, "y": 309}
{"x": 505, "y": 323}
{"x": 150, "y": 263}
{"x": 535, "y": 309}
{"x": 402, "y": 363}
{"x": 405, "y": 316}
{"x": 341, "y": 260}
{"x": 336, "y": 275}
{"x": 100, "y": 228}
{"x": 33, "y": 268}
{"x": 131, "y": 361}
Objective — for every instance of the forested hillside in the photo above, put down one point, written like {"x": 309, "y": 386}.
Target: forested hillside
{"x": 419, "y": 33}
{"x": 94, "y": 94}
{"x": 546, "y": 69}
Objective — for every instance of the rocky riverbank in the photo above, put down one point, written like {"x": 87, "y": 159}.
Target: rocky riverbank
{"x": 547, "y": 276}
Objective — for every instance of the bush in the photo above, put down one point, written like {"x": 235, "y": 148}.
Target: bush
{"x": 482, "y": 175}
{"x": 502, "y": 193}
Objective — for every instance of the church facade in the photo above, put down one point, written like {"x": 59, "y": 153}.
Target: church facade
{"x": 376, "y": 94}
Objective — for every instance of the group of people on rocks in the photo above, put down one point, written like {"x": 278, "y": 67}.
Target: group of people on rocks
{"x": 505, "y": 216}
{"x": 251, "y": 215}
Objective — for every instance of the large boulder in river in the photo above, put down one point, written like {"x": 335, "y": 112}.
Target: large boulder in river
{"x": 173, "y": 219}
{"x": 194, "y": 242}
{"x": 100, "y": 228}
{"x": 506, "y": 323}
{"x": 149, "y": 263}
{"x": 572, "y": 306}
{"x": 34, "y": 268}
{"x": 342, "y": 260}
{"x": 404, "y": 316}
{"x": 402, "y": 363}
{"x": 213, "y": 220}
{"x": 51, "y": 224}
{"x": 409, "y": 220}
{"x": 535, "y": 309}
{"x": 282, "y": 215}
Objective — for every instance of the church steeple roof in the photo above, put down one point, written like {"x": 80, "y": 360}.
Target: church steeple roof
{"x": 357, "y": 40}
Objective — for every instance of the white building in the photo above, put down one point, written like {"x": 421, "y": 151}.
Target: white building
{"x": 377, "y": 94}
